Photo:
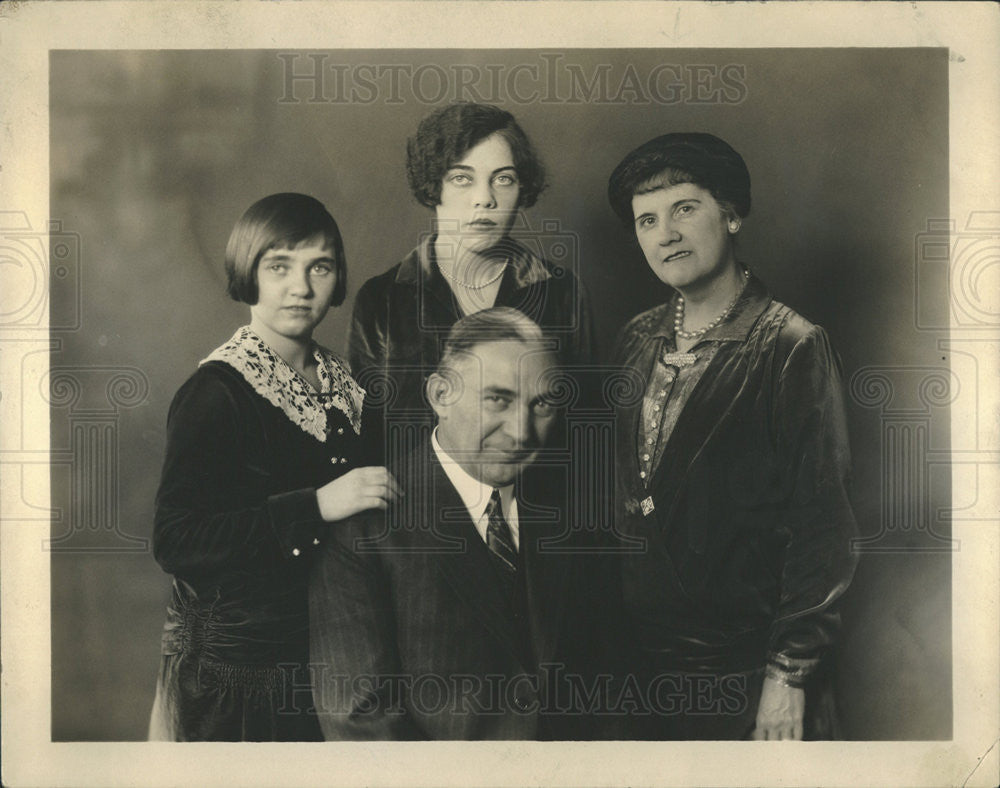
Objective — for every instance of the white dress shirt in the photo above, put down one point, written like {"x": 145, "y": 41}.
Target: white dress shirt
{"x": 475, "y": 495}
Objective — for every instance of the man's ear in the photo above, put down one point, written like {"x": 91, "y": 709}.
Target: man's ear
{"x": 444, "y": 387}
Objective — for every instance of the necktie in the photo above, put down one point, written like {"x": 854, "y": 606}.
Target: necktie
{"x": 500, "y": 542}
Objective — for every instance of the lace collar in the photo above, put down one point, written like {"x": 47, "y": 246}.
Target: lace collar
{"x": 272, "y": 378}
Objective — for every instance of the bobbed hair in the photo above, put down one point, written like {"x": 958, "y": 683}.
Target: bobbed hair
{"x": 681, "y": 157}
{"x": 446, "y": 135}
{"x": 280, "y": 221}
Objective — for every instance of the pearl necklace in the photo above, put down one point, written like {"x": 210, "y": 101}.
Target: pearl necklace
{"x": 475, "y": 287}
{"x": 679, "y": 315}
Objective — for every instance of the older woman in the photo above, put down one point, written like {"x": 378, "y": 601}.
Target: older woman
{"x": 475, "y": 168}
{"x": 732, "y": 467}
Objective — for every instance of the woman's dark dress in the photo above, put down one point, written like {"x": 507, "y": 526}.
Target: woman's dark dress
{"x": 743, "y": 508}
{"x": 237, "y": 523}
{"x": 402, "y": 317}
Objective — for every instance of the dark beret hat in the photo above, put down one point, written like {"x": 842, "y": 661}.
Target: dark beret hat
{"x": 710, "y": 163}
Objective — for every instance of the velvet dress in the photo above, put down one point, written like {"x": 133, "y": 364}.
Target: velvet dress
{"x": 402, "y": 317}
{"x": 733, "y": 469}
{"x": 237, "y": 524}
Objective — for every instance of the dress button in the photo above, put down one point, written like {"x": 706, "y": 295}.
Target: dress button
{"x": 333, "y": 460}
{"x": 645, "y": 457}
{"x": 649, "y": 441}
{"x": 656, "y": 408}
{"x": 343, "y": 460}
{"x": 315, "y": 541}
{"x": 340, "y": 430}
{"x": 296, "y": 552}
{"x": 642, "y": 474}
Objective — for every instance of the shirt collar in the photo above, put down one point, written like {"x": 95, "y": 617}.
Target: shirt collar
{"x": 752, "y": 301}
{"x": 528, "y": 268}
{"x": 474, "y": 494}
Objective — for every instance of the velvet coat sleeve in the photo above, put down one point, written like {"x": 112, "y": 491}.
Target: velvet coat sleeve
{"x": 368, "y": 334}
{"x": 216, "y": 508}
{"x": 817, "y": 523}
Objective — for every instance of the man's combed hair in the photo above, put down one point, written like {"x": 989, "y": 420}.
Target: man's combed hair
{"x": 280, "y": 221}
{"x": 445, "y": 136}
{"x": 499, "y": 324}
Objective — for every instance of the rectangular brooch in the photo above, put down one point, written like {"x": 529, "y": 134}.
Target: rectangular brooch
{"x": 679, "y": 359}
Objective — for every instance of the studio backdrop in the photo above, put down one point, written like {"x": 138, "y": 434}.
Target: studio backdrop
{"x": 155, "y": 154}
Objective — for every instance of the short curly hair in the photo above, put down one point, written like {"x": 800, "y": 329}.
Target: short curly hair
{"x": 280, "y": 221}
{"x": 682, "y": 157}
{"x": 446, "y": 135}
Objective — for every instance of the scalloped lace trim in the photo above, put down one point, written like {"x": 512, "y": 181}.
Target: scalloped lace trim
{"x": 272, "y": 378}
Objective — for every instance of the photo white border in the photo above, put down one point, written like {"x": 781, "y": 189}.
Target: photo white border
{"x": 29, "y": 30}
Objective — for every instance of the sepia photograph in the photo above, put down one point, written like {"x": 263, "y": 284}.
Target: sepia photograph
{"x": 606, "y": 391}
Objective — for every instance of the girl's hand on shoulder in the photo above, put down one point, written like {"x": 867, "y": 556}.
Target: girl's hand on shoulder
{"x": 357, "y": 491}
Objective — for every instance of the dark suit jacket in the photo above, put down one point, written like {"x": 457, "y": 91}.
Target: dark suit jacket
{"x": 412, "y": 637}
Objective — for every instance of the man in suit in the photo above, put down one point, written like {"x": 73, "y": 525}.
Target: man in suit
{"x": 463, "y": 611}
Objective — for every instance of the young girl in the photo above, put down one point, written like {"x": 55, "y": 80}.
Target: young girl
{"x": 264, "y": 452}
